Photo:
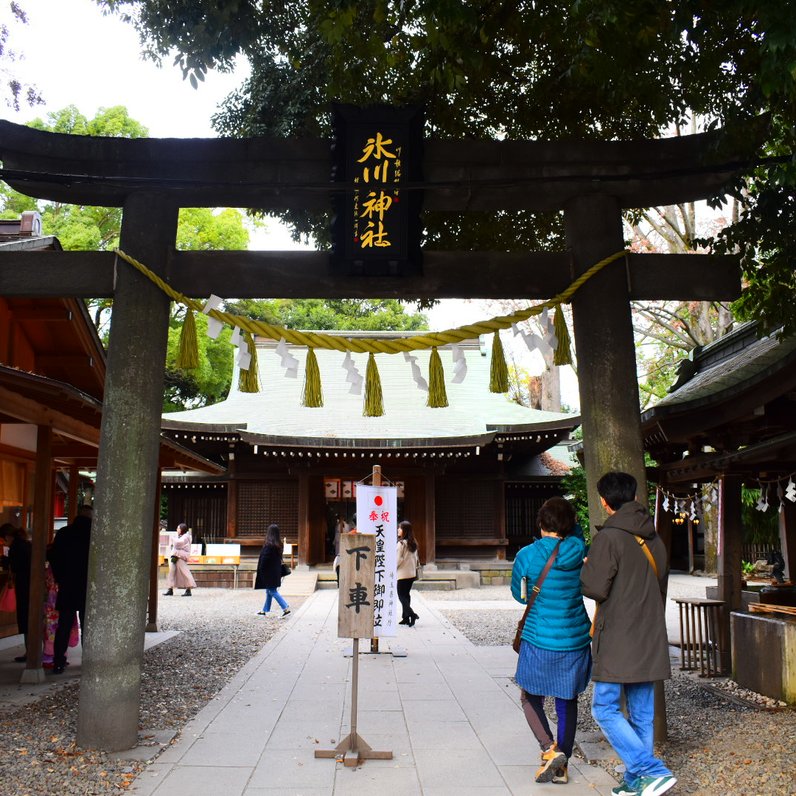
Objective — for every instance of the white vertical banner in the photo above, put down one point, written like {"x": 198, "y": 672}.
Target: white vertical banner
{"x": 377, "y": 513}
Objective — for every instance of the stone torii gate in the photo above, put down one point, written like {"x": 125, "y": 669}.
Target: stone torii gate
{"x": 151, "y": 179}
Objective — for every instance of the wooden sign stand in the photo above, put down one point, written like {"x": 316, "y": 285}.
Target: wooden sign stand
{"x": 357, "y": 575}
{"x": 353, "y": 750}
{"x": 374, "y": 641}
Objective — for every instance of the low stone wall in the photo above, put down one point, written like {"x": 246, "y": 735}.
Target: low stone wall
{"x": 764, "y": 655}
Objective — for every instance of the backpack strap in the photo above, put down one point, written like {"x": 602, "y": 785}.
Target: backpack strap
{"x": 647, "y": 553}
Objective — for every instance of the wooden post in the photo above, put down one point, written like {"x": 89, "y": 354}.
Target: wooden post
{"x": 355, "y": 621}
{"x": 500, "y": 513}
{"x": 232, "y": 500}
{"x": 42, "y": 525}
{"x": 431, "y": 529}
{"x": 787, "y": 538}
{"x": 71, "y": 498}
{"x": 605, "y": 347}
{"x": 729, "y": 559}
{"x": 304, "y": 542}
{"x": 126, "y": 476}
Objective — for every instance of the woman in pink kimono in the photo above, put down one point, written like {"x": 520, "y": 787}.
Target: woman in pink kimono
{"x": 179, "y": 574}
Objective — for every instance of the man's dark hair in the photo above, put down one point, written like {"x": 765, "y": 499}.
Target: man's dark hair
{"x": 557, "y": 516}
{"x": 617, "y": 488}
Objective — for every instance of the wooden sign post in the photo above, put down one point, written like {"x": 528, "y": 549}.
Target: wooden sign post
{"x": 355, "y": 621}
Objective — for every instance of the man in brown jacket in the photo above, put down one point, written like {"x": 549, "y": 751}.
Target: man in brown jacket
{"x": 626, "y": 573}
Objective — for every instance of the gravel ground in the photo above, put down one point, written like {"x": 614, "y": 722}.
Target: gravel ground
{"x": 715, "y": 745}
{"x": 219, "y": 632}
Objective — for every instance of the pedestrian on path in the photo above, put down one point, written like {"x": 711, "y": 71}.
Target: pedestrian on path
{"x": 179, "y": 573}
{"x": 269, "y": 571}
{"x": 626, "y": 574}
{"x": 407, "y": 563}
{"x": 555, "y": 656}
{"x": 69, "y": 562}
{"x": 19, "y": 557}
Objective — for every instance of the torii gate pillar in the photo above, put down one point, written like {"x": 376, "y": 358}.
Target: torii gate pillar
{"x": 127, "y": 473}
{"x": 604, "y": 341}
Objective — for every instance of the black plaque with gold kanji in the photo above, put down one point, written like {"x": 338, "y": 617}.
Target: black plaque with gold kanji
{"x": 377, "y": 155}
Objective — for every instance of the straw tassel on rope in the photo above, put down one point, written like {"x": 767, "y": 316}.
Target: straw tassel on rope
{"x": 249, "y": 380}
{"x": 563, "y": 352}
{"x": 498, "y": 370}
{"x": 374, "y": 401}
{"x": 188, "y": 354}
{"x": 437, "y": 396}
{"x": 313, "y": 392}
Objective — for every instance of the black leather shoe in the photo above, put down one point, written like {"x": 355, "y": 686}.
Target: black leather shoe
{"x": 404, "y": 622}
{"x": 21, "y": 659}
{"x": 169, "y": 593}
{"x": 58, "y": 669}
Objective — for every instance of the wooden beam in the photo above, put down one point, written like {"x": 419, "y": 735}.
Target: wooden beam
{"x": 46, "y": 314}
{"x": 42, "y": 523}
{"x": 301, "y": 274}
{"x": 460, "y": 176}
{"x": 30, "y": 411}
{"x": 729, "y": 560}
{"x": 71, "y": 361}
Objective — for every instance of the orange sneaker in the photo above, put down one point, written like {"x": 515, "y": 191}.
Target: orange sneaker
{"x": 553, "y": 758}
{"x": 561, "y": 775}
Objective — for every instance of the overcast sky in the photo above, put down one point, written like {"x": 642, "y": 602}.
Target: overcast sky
{"x": 77, "y": 56}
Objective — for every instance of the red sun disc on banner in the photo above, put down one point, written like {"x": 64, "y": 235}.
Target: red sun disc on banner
{"x": 378, "y": 500}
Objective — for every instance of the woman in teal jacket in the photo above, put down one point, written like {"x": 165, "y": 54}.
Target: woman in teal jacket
{"x": 555, "y": 654}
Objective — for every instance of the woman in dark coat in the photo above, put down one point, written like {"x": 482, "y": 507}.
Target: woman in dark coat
{"x": 19, "y": 552}
{"x": 269, "y": 571}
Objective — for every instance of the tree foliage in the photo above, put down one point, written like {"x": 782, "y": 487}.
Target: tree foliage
{"x": 84, "y": 228}
{"x": 586, "y": 69}
{"x": 14, "y": 90}
{"x": 325, "y": 314}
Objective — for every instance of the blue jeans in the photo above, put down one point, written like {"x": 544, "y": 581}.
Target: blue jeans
{"x": 631, "y": 737}
{"x": 273, "y": 594}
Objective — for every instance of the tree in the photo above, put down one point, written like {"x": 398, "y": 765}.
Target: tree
{"x": 16, "y": 91}
{"x": 324, "y": 314}
{"x": 84, "y": 228}
{"x": 207, "y": 384}
{"x": 593, "y": 69}
{"x": 667, "y": 331}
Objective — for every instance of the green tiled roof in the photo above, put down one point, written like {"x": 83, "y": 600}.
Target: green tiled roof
{"x": 723, "y": 376}
{"x": 276, "y": 411}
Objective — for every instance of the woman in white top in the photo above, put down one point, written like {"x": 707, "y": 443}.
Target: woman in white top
{"x": 406, "y": 556}
{"x": 179, "y": 573}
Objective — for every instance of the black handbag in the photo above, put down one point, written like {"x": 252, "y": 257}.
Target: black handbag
{"x": 285, "y": 570}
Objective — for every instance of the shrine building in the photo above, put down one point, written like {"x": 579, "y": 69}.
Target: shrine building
{"x": 471, "y": 476}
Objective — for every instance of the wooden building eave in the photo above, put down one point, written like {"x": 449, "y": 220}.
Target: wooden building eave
{"x": 75, "y": 417}
{"x": 775, "y": 456}
{"x": 177, "y": 457}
